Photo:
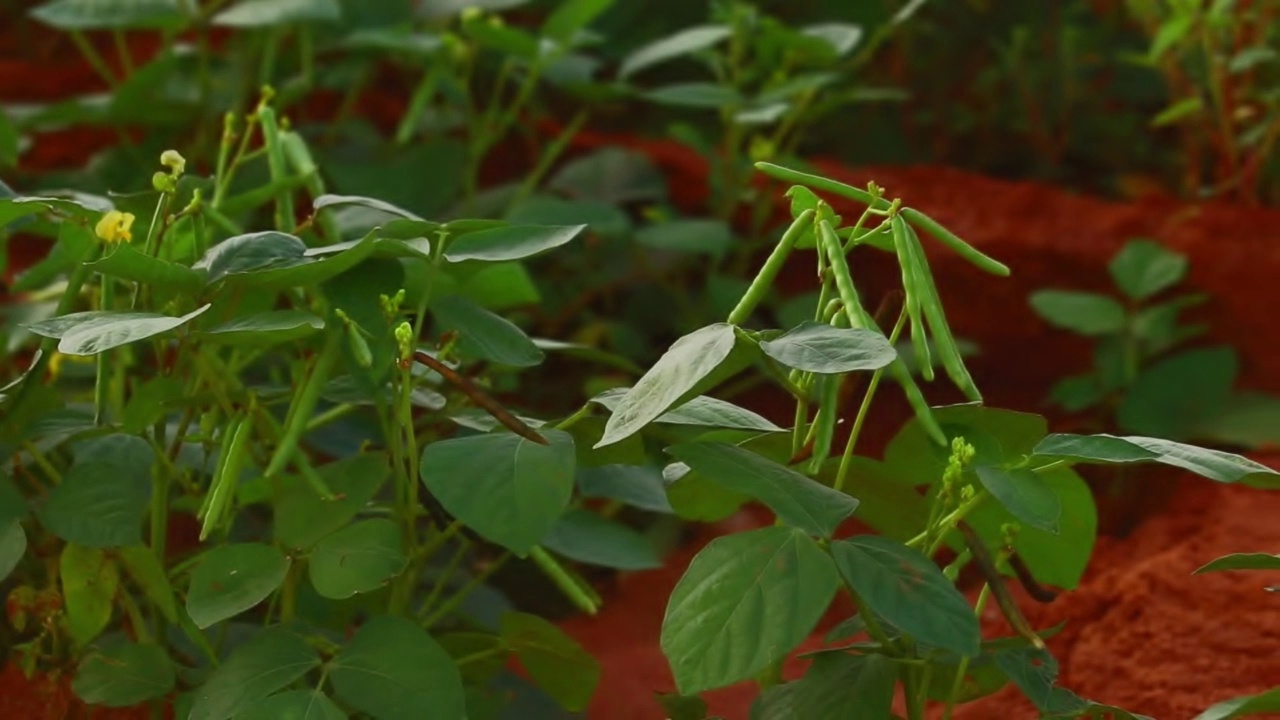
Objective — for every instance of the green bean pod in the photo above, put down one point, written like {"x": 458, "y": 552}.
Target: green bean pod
{"x": 285, "y": 218}
{"x": 825, "y": 423}
{"x": 764, "y": 279}
{"x": 931, "y": 304}
{"x": 299, "y": 156}
{"x": 912, "y": 290}
{"x": 573, "y": 589}
{"x": 303, "y": 405}
{"x": 223, "y": 488}
{"x": 951, "y": 240}
{"x": 823, "y": 184}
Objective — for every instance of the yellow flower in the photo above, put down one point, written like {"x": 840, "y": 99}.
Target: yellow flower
{"x": 174, "y": 161}
{"x": 114, "y": 227}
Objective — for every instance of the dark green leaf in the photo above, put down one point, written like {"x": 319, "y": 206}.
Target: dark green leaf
{"x": 265, "y": 328}
{"x": 745, "y": 602}
{"x": 695, "y": 94}
{"x": 701, "y": 411}
{"x": 1084, "y": 313}
{"x": 697, "y": 498}
{"x": 89, "y": 582}
{"x": 843, "y": 685}
{"x": 249, "y": 253}
{"x": 126, "y": 263}
{"x": 13, "y": 506}
{"x": 799, "y": 501}
{"x": 694, "y": 236}
{"x": 394, "y": 669}
{"x": 359, "y": 558}
{"x": 13, "y": 545}
{"x": 635, "y": 485}
{"x": 1246, "y": 706}
{"x": 613, "y": 176}
{"x": 294, "y": 705}
{"x": 124, "y": 674}
{"x": 98, "y": 505}
{"x": 1247, "y": 419}
{"x": 1242, "y": 561}
{"x": 1144, "y": 268}
{"x": 556, "y": 662}
{"x": 908, "y": 590}
{"x": 508, "y": 489}
{"x": 273, "y": 659}
{"x": 267, "y": 13}
{"x": 514, "y": 242}
{"x": 820, "y": 348}
{"x": 1024, "y": 494}
{"x": 916, "y": 460}
{"x": 1213, "y": 464}
{"x": 150, "y": 402}
{"x": 484, "y": 335}
{"x": 111, "y": 14}
{"x": 230, "y": 579}
{"x": 586, "y": 537}
{"x": 144, "y": 567}
{"x": 302, "y": 517}
{"x": 1172, "y": 397}
{"x": 685, "y": 42}
{"x": 572, "y": 16}
{"x": 92, "y": 332}
{"x": 1093, "y": 448}
{"x": 325, "y": 201}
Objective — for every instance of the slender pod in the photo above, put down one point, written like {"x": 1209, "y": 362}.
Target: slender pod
{"x": 223, "y": 488}
{"x": 912, "y": 289}
{"x": 302, "y": 407}
{"x": 764, "y": 279}
{"x": 931, "y": 304}
{"x": 823, "y": 184}
{"x": 276, "y": 163}
{"x": 951, "y": 240}
{"x": 825, "y": 422}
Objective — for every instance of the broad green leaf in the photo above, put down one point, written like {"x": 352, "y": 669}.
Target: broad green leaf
{"x": 713, "y": 237}
{"x": 910, "y": 591}
{"x": 294, "y": 705}
{"x": 501, "y": 286}
{"x": 359, "y": 558}
{"x": 393, "y": 668}
{"x": 508, "y": 489}
{"x": 111, "y": 14}
{"x": 123, "y": 674}
{"x": 1242, "y": 561}
{"x": 685, "y": 42}
{"x": 589, "y": 538}
{"x": 1144, "y": 268}
{"x": 302, "y": 517}
{"x": 820, "y": 348}
{"x": 695, "y": 497}
{"x": 998, "y": 436}
{"x": 639, "y": 486}
{"x": 686, "y": 363}
{"x": 89, "y": 582}
{"x": 514, "y": 242}
{"x": 613, "y": 176}
{"x": 267, "y": 13}
{"x": 275, "y": 261}
{"x": 555, "y": 661}
{"x": 844, "y": 685}
{"x": 249, "y": 253}
{"x": 141, "y": 563}
{"x": 892, "y": 508}
{"x": 799, "y": 501}
{"x": 230, "y": 579}
{"x": 265, "y": 328}
{"x": 325, "y": 201}
{"x": 1213, "y": 464}
{"x": 695, "y": 94}
{"x": 1080, "y": 312}
{"x": 98, "y": 505}
{"x": 1093, "y": 448}
{"x": 1171, "y": 398}
{"x": 484, "y": 335}
{"x": 572, "y": 16}
{"x": 13, "y": 545}
{"x": 126, "y": 263}
{"x": 92, "y": 332}
{"x": 273, "y": 659}
{"x": 1245, "y": 706}
{"x": 702, "y": 411}
{"x": 1077, "y": 393}
{"x": 745, "y": 602}
{"x": 1034, "y": 672}
{"x": 1024, "y": 495}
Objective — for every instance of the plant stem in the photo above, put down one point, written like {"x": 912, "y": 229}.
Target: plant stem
{"x": 452, "y": 603}
{"x": 846, "y": 460}
{"x": 94, "y": 59}
{"x": 102, "y": 379}
{"x": 963, "y": 667}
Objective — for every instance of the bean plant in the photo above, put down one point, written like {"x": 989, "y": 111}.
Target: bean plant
{"x": 962, "y": 485}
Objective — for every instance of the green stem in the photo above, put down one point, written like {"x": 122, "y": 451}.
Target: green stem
{"x": 963, "y": 667}
{"x": 94, "y": 59}
{"x": 452, "y": 603}
{"x": 846, "y": 460}
{"x": 570, "y": 586}
{"x": 102, "y": 380}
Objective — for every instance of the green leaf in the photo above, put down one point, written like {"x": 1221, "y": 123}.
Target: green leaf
{"x": 843, "y": 37}
{"x": 359, "y": 558}
{"x": 262, "y": 329}
{"x": 1178, "y": 111}
{"x": 1213, "y": 464}
{"x": 302, "y": 517}
{"x": 696, "y": 236}
{"x": 501, "y": 286}
{"x": 1077, "y": 393}
{"x": 638, "y": 486}
{"x": 1144, "y": 268}
{"x": 685, "y": 42}
{"x": 126, "y": 263}
{"x": 695, "y": 94}
{"x": 92, "y": 332}
{"x": 820, "y": 348}
{"x": 1024, "y": 495}
{"x": 124, "y": 674}
{"x": 483, "y": 334}
{"x": 508, "y": 489}
{"x": 697, "y": 498}
{"x": 393, "y": 669}
{"x": 144, "y": 567}
{"x": 1171, "y": 398}
{"x": 844, "y": 685}
{"x": 111, "y": 14}
{"x": 907, "y": 589}
{"x": 273, "y": 659}
{"x": 1080, "y": 312}
{"x": 89, "y": 583}
{"x": 555, "y": 661}
{"x": 998, "y": 435}
{"x": 745, "y": 602}
{"x": 613, "y": 176}
{"x": 230, "y": 579}
{"x": 13, "y": 545}
{"x": 1245, "y": 706}
{"x": 249, "y": 253}
{"x": 1171, "y": 32}
{"x": 268, "y": 13}
{"x": 514, "y": 242}
{"x": 326, "y": 201}
{"x": 701, "y": 411}
{"x": 572, "y": 16}
{"x": 586, "y": 537}
{"x": 294, "y": 705}
{"x": 1247, "y": 419}
{"x": 892, "y": 508}
{"x": 149, "y": 403}
{"x": 799, "y": 501}
{"x": 1242, "y": 561}
{"x": 1093, "y": 448}
{"x": 98, "y": 505}
{"x": 686, "y": 363}
{"x": 680, "y": 707}
{"x": 13, "y": 506}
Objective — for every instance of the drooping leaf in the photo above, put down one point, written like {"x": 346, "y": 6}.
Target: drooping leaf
{"x": 799, "y": 501}
{"x": 587, "y": 537}
{"x": 1213, "y": 464}
{"x": 485, "y": 335}
{"x": 126, "y": 263}
{"x": 910, "y": 591}
{"x": 514, "y": 242}
{"x": 89, "y": 582}
{"x": 1024, "y": 494}
{"x": 821, "y": 348}
{"x": 124, "y": 674}
{"x": 1080, "y": 312}
{"x": 393, "y": 668}
{"x": 273, "y": 659}
{"x": 265, "y": 328}
{"x": 1093, "y": 448}
{"x": 745, "y": 601}
{"x": 702, "y": 411}
{"x": 555, "y": 661}
{"x": 325, "y": 201}
{"x": 684, "y": 42}
{"x": 359, "y": 558}
{"x": 1242, "y": 561}
{"x": 509, "y": 489}
{"x": 92, "y": 332}
{"x": 230, "y": 579}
